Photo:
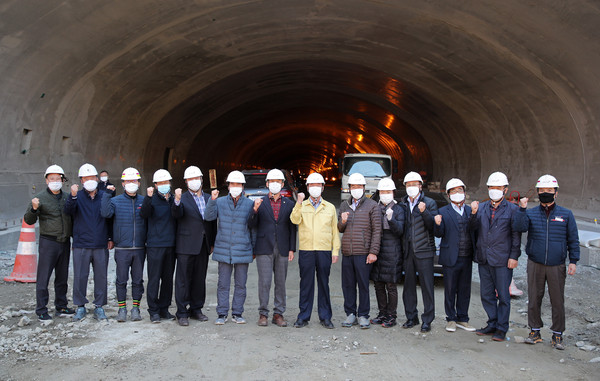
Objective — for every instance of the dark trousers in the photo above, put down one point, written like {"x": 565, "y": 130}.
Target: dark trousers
{"x": 387, "y": 298}
{"x": 355, "y": 272}
{"x": 309, "y": 262}
{"x": 537, "y": 277}
{"x": 190, "y": 282}
{"x": 130, "y": 261}
{"x": 82, "y": 258}
{"x": 457, "y": 289}
{"x": 161, "y": 266}
{"x": 424, "y": 267}
{"x": 496, "y": 279}
{"x": 53, "y": 256}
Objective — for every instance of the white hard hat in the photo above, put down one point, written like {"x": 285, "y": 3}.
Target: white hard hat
{"x": 275, "y": 174}
{"x": 130, "y": 174}
{"x": 161, "y": 175}
{"x": 236, "y": 177}
{"x": 412, "y": 176}
{"x": 453, "y": 183}
{"x": 547, "y": 181}
{"x": 54, "y": 169}
{"x": 356, "y": 179}
{"x": 87, "y": 170}
{"x": 191, "y": 172}
{"x": 315, "y": 178}
{"x": 497, "y": 179}
{"x": 386, "y": 184}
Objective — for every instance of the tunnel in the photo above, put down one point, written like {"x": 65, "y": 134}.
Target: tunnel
{"x": 452, "y": 89}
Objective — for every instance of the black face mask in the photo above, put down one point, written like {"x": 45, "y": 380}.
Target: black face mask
{"x": 546, "y": 198}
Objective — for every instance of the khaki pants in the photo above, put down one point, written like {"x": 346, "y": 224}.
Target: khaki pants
{"x": 537, "y": 277}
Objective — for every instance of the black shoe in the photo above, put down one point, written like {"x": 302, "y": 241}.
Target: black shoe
{"x": 44, "y": 316}
{"x": 327, "y": 324}
{"x": 499, "y": 336}
{"x": 487, "y": 330}
{"x": 389, "y": 322}
{"x": 64, "y": 312}
{"x": 155, "y": 318}
{"x": 167, "y": 315}
{"x": 379, "y": 319}
{"x": 410, "y": 323}
{"x": 199, "y": 316}
{"x": 183, "y": 321}
{"x": 425, "y": 327}
{"x": 300, "y": 323}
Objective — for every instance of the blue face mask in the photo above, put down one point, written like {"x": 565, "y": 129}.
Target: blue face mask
{"x": 164, "y": 189}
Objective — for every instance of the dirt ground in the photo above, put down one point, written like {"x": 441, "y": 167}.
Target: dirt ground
{"x": 101, "y": 351}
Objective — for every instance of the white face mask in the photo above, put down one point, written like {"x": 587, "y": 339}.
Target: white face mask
{"x": 314, "y": 192}
{"x": 55, "y": 185}
{"x": 235, "y": 191}
{"x": 131, "y": 187}
{"x": 357, "y": 193}
{"x": 195, "y": 185}
{"x": 412, "y": 191}
{"x": 90, "y": 185}
{"x": 457, "y": 197}
{"x": 104, "y": 178}
{"x": 495, "y": 194}
{"x": 386, "y": 198}
{"x": 274, "y": 188}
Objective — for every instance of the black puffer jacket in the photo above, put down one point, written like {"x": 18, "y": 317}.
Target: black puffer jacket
{"x": 418, "y": 228}
{"x": 388, "y": 267}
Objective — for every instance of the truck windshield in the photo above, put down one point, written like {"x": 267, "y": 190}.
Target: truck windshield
{"x": 368, "y": 167}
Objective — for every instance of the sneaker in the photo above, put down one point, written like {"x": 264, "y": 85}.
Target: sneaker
{"x": 122, "y": 315}
{"x": 389, "y": 322}
{"x": 379, "y": 319}
{"x": 44, "y": 316}
{"x": 363, "y": 322}
{"x": 221, "y": 320}
{"x": 535, "y": 337}
{"x": 135, "y": 314}
{"x": 557, "y": 342}
{"x": 99, "y": 314}
{"x": 64, "y": 312}
{"x": 238, "y": 319}
{"x": 465, "y": 325}
{"x": 350, "y": 321}
{"x": 79, "y": 314}
{"x": 155, "y": 318}
{"x": 451, "y": 326}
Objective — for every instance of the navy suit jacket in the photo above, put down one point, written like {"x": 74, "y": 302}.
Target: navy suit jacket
{"x": 268, "y": 231}
{"x": 192, "y": 230}
{"x": 449, "y": 232}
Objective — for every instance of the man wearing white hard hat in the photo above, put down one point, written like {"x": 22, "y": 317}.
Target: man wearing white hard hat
{"x": 497, "y": 253}
{"x": 91, "y": 242}
{"x": 56, "y": 228}
{"x": 456, "y": 256}
{"x": 194, "y": 240}
{"x": 419, "y": 250}
{"x": 319, "y": 248}
{"x": 160, "y": 245}
{"x": 360, "y": 222}
{"x": 129, "y": 235}
{"x": 552, "y": 237}
{"x": 233, "y": 245}
{"x": 274, "y": 248}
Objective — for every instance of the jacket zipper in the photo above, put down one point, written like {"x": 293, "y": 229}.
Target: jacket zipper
{"x": 547, "y": 234}
{"x": 133, "y": 216}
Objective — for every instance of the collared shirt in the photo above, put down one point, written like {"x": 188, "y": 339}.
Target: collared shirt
{"x": 354, "y": 204}
{"x": 199, "y": 202}
{"x": 548, "y": 209}
{"x": 275, "y": 205}
{"x": 235, "y": 200}
{"x": 315, "y": 204}
{"x": 459, "y": 209}
{"x": 413, "y": 204}
{"x": 493, "y": 211}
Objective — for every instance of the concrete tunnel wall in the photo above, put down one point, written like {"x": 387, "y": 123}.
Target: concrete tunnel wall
{"x": 455, "y": 89}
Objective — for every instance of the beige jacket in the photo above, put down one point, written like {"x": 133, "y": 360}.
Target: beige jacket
{"x": 317, "y": 228}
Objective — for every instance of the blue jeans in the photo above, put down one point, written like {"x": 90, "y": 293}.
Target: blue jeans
{"x": 240, "y": 276}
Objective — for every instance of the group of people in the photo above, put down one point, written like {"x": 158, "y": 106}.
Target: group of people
{"x": 384, "y": 240}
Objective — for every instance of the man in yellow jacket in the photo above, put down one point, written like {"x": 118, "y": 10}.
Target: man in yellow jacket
{"x": 319, "y": 248}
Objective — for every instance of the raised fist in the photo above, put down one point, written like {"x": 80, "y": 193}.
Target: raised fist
{"x": 111, "y": 188}
{"x": 178, "y": 194}
{"x": 257, "y": 203}
{"x": 389, "y": 213}
{"x": 214, "y": 194}
{"x": 345, "y": 217}
{"x": 438, "y": 219}
{"x": 300, "y": 197}
{"x": 422, "y": 206}
{"x": 523, "y": 202}
{"x": 474, "y": 207}
{"x": 150, "y": 191}
{"x": 74, "y": 190}
{"x": 35, "y": 203}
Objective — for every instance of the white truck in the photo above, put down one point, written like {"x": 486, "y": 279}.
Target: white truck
{"x": 372, "y": 166}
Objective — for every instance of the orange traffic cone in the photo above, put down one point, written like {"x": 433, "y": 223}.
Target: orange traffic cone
{"x": 26, "y": 259}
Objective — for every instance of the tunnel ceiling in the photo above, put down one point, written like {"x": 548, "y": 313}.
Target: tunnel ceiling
{"x": 452, "y": 88}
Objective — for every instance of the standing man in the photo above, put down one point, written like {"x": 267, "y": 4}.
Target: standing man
{"x": 497, "y": 253}
{"x": 105, "y": 183}
{"x": 54, "y": 246}
{"x": 552, "y": 232}
{"x": 360, "y": 224}
{"x": 160, "y": 245}
{"x": 274, "y": 248}
{"x": 319, "y": 248}
{"x": 419, "y": 250}
{"x": 91, "y": 242}
{"x": 233, "y": 246}
{"x": 456, "y": 256}
{"x": 193, "y": 244}
{"x": 129, "y": 233}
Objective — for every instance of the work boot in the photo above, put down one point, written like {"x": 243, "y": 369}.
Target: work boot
{"x": 79, "y": 314}
{"x": 557, "y": 341}
{"x": 135, "y": 314}
{"x": 534, "y": 337}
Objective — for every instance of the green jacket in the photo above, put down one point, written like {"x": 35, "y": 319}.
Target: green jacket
{"x": 53, "y": 221}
